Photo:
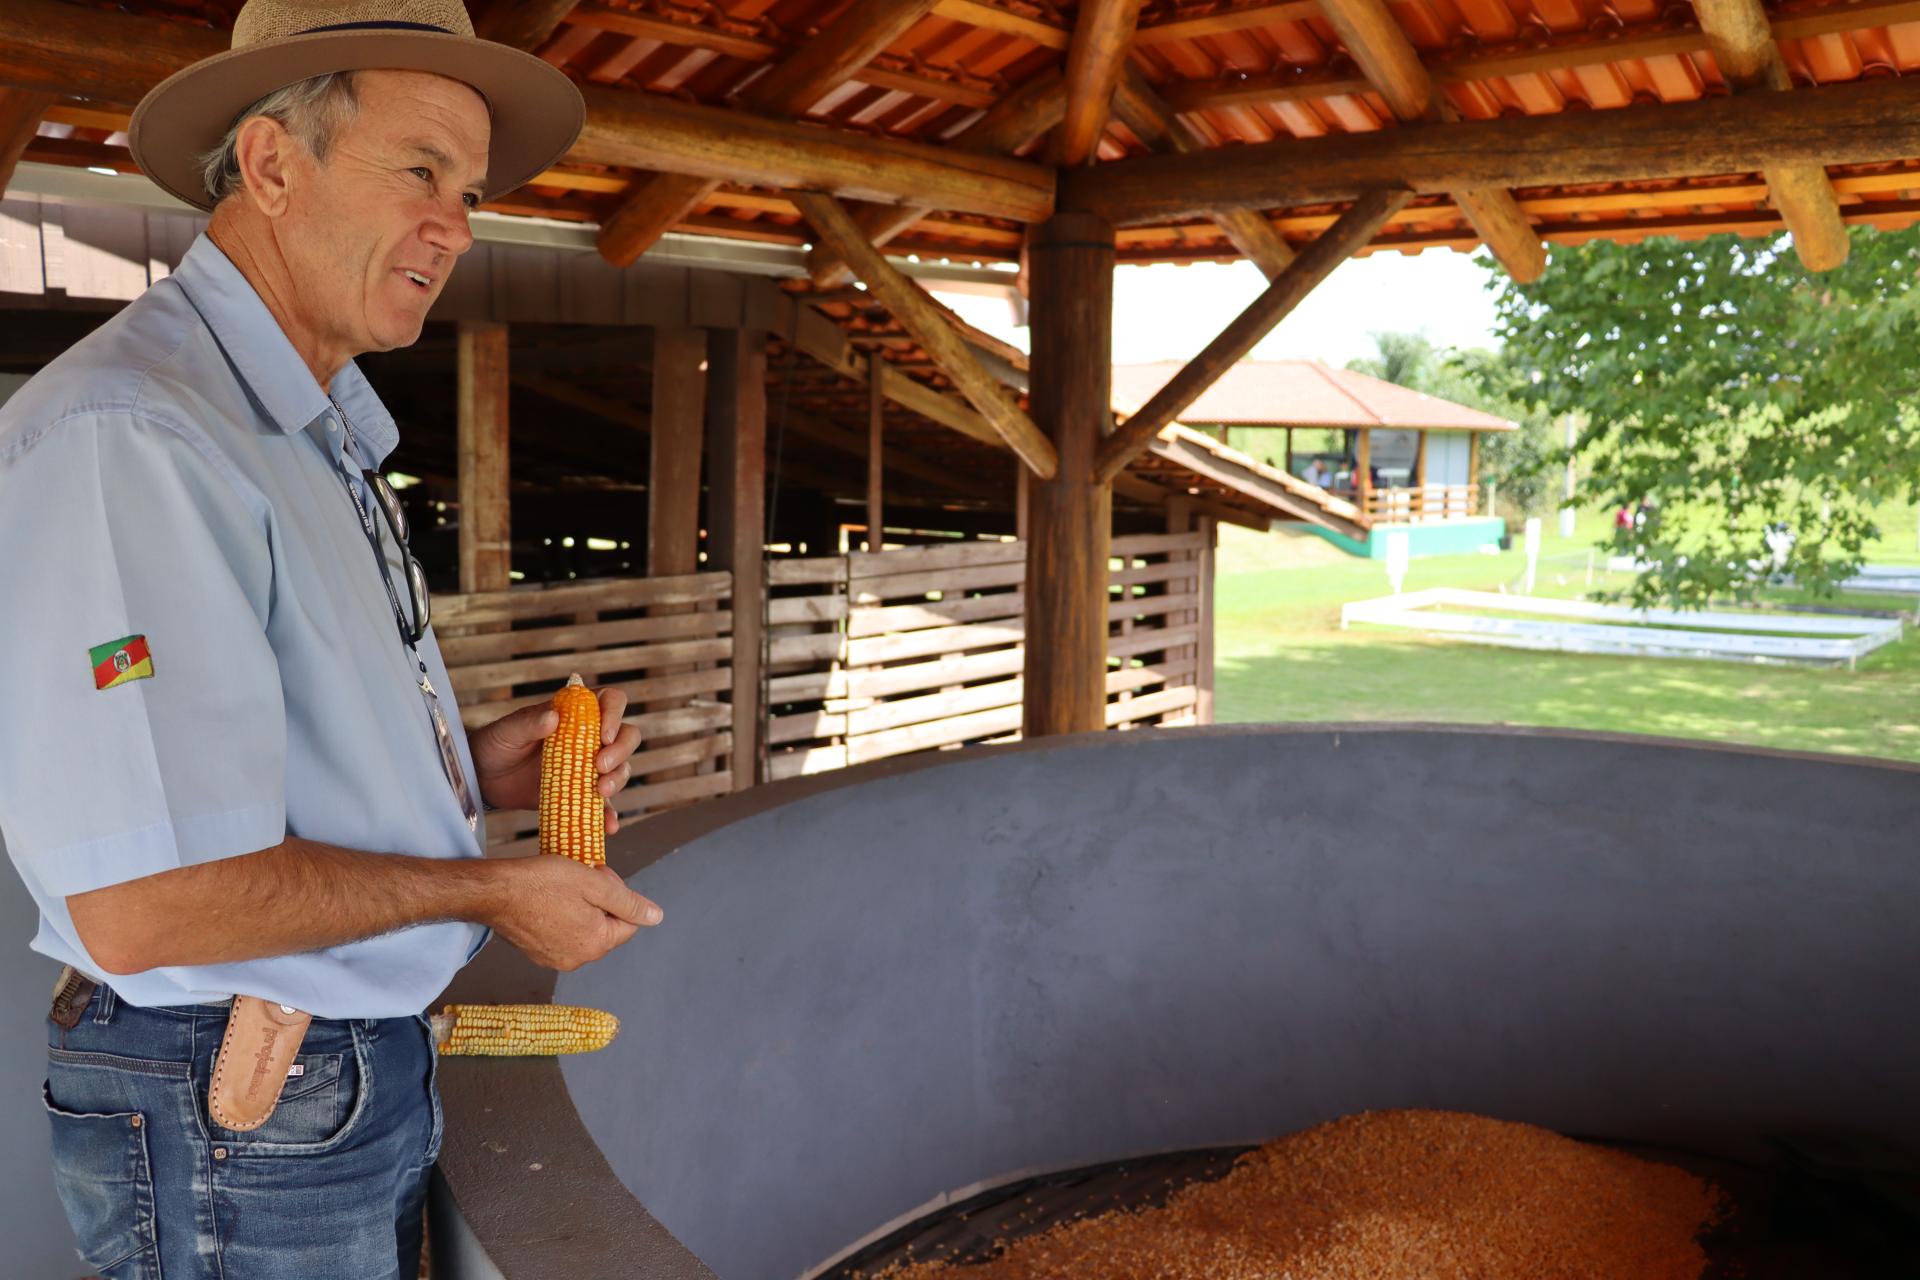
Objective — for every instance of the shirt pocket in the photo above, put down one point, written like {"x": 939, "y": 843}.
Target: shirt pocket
{"x": 105, "y": 1180}
{"x": 314, "y": 1105}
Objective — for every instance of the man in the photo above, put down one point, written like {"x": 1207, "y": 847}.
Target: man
{"x": 1317, "y": 473}
{"x": 226, "y": 769}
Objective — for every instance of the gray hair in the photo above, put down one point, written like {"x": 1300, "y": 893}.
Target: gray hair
{"x": 314, "y": 111}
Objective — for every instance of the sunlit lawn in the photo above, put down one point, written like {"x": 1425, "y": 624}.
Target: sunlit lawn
{"x": 1280, "y": 656}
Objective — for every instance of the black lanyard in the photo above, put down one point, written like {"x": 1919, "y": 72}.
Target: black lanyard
{"x": 443, "y": 736}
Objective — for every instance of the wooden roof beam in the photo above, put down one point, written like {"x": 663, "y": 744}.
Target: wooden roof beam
{"x": 1154, "y": 122}
{"x": 824, "y": 342}
{"x": 20, "y": 113}
{"x": 921, "y": 317}
{"x": 861, "y": 31}
{"x": 1519, "y": 59}
{"x": 1014, "y": 121}
{"x": 1744, "y": 48}
{"x": 524, "y": 24}
{"x": 1869, "y": 121}
{"x": 72, "y": 51}
{"x": 1355, "y": 228}
{"x": 1132, "y": 485}
{"x": 1225, "y": 471}
{"x": 651, "y": 132}
{"x": 1372, "y": 35}
{"x": 1102, "y": 34}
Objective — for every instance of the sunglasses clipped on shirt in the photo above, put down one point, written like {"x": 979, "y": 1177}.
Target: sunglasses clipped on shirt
{"x": 421, "y": 612}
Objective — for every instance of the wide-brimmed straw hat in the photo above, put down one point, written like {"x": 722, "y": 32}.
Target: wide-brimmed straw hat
{"x": 537, "y": 112}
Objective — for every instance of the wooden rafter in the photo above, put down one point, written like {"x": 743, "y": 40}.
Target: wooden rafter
{"x": 525, "y": 24}
{"x": 1227, "y": 20}
{"x": 1186, "y": 450}
{"x": 114, "y": 58}
{"x": 1857, "y": 123}
{"x": 1529, "y": 58}
{"x": 1156, "y": 124}
{"x": 826, "y": 344}
{"x": 1016, "y": 120}
{"x": 861, "y": 31}
{"x": 1102, "y": 34}
{"x": 1354, "y": 229}
{"x": 20, "y": 115}
{"x": 920, "y": 316}
{"x": 1743, "y": 46}
{"x": 974, "y": 13}
{"x": 1373, "y": 36}
{"x": 690, "y": 34}
{"x": 1129, "y": 484}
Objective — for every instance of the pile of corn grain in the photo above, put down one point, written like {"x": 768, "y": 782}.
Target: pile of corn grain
{"x": 1427, "y": 1194}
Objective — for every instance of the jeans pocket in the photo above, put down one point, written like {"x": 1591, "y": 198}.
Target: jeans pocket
{"x": 319, "y": 1111}
{"x": 309, "y": 1109}
{"x": 105, "y": 1181}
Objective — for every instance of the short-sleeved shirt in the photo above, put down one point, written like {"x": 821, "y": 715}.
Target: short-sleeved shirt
{"x": 171, "y": 501}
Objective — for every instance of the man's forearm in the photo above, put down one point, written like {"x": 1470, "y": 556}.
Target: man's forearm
{"x": 297, "y": 896}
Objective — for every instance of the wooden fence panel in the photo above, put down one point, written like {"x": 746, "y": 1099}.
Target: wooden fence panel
{"x": 674, "y": 668}
{"x": 923, "y": 648}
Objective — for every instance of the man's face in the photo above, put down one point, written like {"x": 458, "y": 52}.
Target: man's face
{"x": 372, "y": 234}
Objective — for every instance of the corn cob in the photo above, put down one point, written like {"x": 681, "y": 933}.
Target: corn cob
{"x": 522, "y": 1030}
{"x": 573, "y": 819}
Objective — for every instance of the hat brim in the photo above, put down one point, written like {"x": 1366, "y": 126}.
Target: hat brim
{"x": 537, "y": 111}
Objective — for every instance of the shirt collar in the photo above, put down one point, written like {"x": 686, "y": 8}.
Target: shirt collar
{"x": 272, "y": 370}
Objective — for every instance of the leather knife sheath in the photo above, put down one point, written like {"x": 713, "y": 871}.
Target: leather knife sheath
{"x": 261, "y": 1042}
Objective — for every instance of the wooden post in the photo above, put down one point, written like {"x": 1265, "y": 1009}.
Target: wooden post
{"x": 1417, "y": 500}
{"x": 673, "y": 481}
{"x": 876, "y": 464}
{"x": 1070, "y": 517}
{"x": 485, "y": 509}
{"x": 1363, "y": 469}
{"x": 1289, "y": 450}
{"x": 1473, "y": 471}
{"x": 1203, "y": 702}
{"x": 1022, "y": 496}
{"x": 736, "y": 521}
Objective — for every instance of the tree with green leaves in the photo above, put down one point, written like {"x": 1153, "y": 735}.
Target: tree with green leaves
{"x": 1755, "y": 414}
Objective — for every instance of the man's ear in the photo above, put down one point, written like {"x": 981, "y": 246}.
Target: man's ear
{"x": 266, "y": 154}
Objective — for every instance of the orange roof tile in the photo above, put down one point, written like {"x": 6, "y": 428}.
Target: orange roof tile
{"x": 1302, "y": 393}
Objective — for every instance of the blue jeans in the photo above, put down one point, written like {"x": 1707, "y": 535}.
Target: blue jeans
{"x": 333, "y": 1185}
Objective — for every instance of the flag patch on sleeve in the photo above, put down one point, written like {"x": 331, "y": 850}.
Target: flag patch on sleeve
{"x": 119, "y": 661}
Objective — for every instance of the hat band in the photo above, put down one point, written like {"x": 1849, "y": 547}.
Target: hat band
{"x": 376, "y": 26}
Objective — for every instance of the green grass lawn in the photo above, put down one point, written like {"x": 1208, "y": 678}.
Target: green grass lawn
{"x": 1280, "y": 656}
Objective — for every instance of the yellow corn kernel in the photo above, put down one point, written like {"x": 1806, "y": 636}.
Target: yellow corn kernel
{"x": 522, "y": 1030}
{"x": 573, "y": 819}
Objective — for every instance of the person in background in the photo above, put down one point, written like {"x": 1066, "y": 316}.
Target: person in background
{"x": 1319, "y": 473}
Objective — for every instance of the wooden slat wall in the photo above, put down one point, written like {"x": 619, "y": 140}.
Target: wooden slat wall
{"x": 612, "y": 632}
{"x": 877, "y": 655}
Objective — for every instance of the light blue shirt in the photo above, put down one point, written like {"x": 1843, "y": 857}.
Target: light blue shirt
{"x": 173, "y": 476}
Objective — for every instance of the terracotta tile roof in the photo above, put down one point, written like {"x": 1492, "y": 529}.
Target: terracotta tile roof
{"x": 1233, "y": 70}
{"x": 1302, "y": 393}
